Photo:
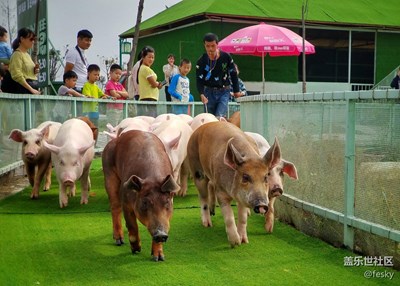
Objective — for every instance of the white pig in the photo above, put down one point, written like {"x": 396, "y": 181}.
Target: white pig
{"x": 127, "y": 122}
{"x": 72, "y": 155}
{"x": 201, "y": 119}
{"x": 148, "y": 119}
{"x": 168, "y": 130}
{"x": 126, "y": 125}
{"x": 187, "y": 118}
{"x": 161, "y": 118}
{"x": 37, "y": 159}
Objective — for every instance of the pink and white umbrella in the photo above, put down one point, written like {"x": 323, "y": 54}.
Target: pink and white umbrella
{"x": 262, "y": 39}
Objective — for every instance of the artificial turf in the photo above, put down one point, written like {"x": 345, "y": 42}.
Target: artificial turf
{"x": 41, "y": 244}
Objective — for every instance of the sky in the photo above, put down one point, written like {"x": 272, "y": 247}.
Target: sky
{"x": 105, "y": 21}
{"x": 104, "y": 18}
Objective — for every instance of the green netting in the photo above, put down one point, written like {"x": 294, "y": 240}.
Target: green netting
{"x": 377, "y": 193}
{"x": 312, "y": 135}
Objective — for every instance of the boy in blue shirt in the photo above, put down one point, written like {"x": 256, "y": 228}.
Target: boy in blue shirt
{"x": 5, "y": 49}
{"x": 179, "y": 88}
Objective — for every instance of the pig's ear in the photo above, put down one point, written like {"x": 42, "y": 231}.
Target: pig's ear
{"x": 232, "y": 157}
{"x": 111, "y": 135}
{"x": 134, "y": 183}
{"x": 169, "y": 185}
{"x": 118, "y": 132}
{"x": 45, "y": 131}
{"x": 53, "y": 148}
{"x": 16, "y": 135}
{"x": 83, "y": 149}
{"x": 223, "y": 119}
{"x": 273, "y": 155}
{"x": 110, "y": 127}
{"x": 174, "y": 143}
{"x": 95, "y": 131}
{"x": 290, "y": 169}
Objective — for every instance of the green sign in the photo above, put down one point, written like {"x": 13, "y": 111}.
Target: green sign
{"x": 26, "y": 14}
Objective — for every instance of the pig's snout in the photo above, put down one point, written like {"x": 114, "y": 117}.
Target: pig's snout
{"x": 160, "y": 236}
{"x": 276, "y": 191}
{"x": 68, "y": 182}
{"x": 30, "y": 155}
{"x": 260, "y": 207}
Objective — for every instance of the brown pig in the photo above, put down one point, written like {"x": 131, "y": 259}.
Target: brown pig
{"x": 226, "y": 164}
{"x": 95, "y": 130}
{"x": 36, "y": 157}
{"x": 235, "y": 118}
{"x": 139, "y": 181}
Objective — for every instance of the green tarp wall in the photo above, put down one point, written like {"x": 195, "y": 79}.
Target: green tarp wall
{"x": 387, "y": 54}
{"x": 187, "y": 42}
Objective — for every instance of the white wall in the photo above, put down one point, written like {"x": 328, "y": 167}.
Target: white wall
{"x": 278, "y": 87}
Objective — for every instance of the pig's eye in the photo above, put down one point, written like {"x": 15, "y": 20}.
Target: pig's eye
{"x": 168, "y": 204}
{"x": 266, "y": 178}
{"x": 76, "y": 163}
{"x": 25, "y": 142}
{"x": 246, "y": 178}
{"x": 62, "y": 163}
{"x": 37, "y": 142}
{"x": 146, "y": 204}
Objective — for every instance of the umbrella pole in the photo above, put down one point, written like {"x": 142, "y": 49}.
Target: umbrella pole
{"x": 263, "y": 74}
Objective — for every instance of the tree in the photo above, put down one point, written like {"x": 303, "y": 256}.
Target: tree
{"x": 54, "y": 63}
{"x": 8, "y": 17}
{"x": 131, "y": 61}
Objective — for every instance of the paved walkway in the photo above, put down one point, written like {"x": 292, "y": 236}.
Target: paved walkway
{"x": 13, "y": 183}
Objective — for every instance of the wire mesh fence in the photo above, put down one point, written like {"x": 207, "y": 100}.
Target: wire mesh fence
{"x": 313, "y": 134}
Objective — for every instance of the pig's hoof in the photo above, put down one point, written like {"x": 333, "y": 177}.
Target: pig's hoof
{"x": 234, "y": 244}
{"x": 136, "y": 250}
{"x": 269, "y": 228}
{"x": 45, "y": 190}
{"x": 84, "y": 202}
{"x": 235, "y": 241}
{"x": 119, "y": 241}
{"x": 207, "y": 224}
{"x": 34, "y": 197}
{"x": 158, "y": 258}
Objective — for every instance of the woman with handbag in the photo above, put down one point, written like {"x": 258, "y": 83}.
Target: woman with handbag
{"x": 21, "y": 77}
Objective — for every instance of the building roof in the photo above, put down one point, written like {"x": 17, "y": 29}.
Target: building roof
{"x": 356, "y": 13}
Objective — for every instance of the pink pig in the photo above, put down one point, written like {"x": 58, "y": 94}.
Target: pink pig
{"x": 201, "y": 119}
{"x": 167, "y": 131}
{"x": 37, "y": 159}
{"x": 275, "y": 178}
{"x": 72, "y": 155}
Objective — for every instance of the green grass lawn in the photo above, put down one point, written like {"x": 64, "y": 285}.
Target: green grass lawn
{"x": 41, "y": 244}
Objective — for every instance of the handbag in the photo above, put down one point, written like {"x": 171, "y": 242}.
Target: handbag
{"x": 33, "y": 83}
